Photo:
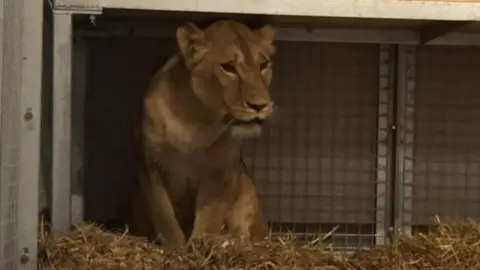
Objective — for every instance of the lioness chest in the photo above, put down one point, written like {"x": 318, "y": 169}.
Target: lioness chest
{"x": 183, "y": 173}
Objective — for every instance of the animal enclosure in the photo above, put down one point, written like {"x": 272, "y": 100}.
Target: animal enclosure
{"x": 370, "y": 137}
{"x": 376, "y": 131}
{"x": 314, "y": 168}
{"x": 317, "y": 165}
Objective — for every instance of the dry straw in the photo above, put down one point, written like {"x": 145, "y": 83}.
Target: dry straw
{"x": 452, "y": 245}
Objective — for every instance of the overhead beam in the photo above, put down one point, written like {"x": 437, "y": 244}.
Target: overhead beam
{"x": 435, "y": 30}
{"x": 109, "y": 29}
{"x": 391, "y": 9}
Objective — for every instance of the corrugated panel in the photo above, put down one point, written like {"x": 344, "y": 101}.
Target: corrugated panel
{"x": 447, "y": 132}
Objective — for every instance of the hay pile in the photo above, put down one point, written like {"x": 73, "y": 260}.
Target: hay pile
{"x": 453, "y": 245}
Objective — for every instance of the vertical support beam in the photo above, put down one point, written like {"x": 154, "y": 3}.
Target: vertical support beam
{"x": 383, "y": 141}
{"x": 30, "y": 128}
{"x": 4, "y": 237}
{"x": 47, "y": 107}
{"x": 79, "y": 81}
{"x": 62, "y": 130}
{"x": 405, "y": 138}
{"x": 20, "y": 119}
{"x": 11, "y": 28}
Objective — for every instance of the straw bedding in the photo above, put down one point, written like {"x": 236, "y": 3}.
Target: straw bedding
{"x": 452, "y": 245}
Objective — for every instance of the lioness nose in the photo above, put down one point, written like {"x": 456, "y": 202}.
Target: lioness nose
{"x": 257, "y": 107}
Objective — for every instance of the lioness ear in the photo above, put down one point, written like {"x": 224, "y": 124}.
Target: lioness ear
{"x": 266, "y": 34}
{"x": 192, "y": 42}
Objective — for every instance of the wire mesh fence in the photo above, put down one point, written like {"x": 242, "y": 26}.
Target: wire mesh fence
{"x": 446, "y": 138}
{"x": 316, "y": 168}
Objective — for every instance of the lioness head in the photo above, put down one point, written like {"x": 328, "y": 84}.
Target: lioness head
{"x": 231, "y": 70}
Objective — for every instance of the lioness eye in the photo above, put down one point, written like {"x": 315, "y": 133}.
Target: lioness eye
{"x": 228, "y": 67}
{"x": 264, "y": 65}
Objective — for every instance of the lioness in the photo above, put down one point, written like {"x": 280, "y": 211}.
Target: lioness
{"x": 199, "y": 108}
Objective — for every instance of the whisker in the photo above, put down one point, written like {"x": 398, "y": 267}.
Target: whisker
{"x": 228, "y": 120}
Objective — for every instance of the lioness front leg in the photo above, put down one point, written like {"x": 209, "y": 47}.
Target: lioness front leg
{"x": 245, "y": 217}
{"x": 211, "y": 208}
{"x": 161, "y": 212}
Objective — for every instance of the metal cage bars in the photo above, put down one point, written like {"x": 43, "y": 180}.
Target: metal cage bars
{"x": 446, "y": 146}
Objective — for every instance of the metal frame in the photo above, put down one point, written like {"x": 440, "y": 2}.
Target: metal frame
{"x": 150, "y": 29}
{"x": 386, "y": 9}
{"x": 79, "y": 81}
{"x": 405, "y": 138}
{"x": 383, "y": 143}
{"x": 22, "y": 59}
{"x": 62, "y": 121}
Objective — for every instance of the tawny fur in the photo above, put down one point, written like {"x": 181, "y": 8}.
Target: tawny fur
{"x": 193, "y": 180}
